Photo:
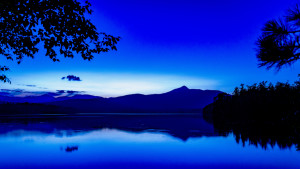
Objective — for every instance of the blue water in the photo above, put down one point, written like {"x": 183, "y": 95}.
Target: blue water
{"x": 116, "y": 148}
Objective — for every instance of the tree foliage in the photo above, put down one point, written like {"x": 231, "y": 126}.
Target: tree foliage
{"x": 60, "y": 25}
{"x": 260, "y": 113}
{"x": 279, "y": 43}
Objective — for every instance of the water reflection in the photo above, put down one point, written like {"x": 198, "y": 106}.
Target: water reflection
{"x": 130, "y": 142}
{"x": 262, "y": 136}
{"x": 178, "y": 126}
{"x": 182, "y": 127}
{"x": 134, "y": 142}
{"x": 111, "y": 148}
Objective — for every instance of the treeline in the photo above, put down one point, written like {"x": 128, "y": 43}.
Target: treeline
{"x": 261, "y": 113}
{"x": 31, "y": 108}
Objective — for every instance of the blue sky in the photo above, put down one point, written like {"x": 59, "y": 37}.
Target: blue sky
{"x": 165, "y": 44}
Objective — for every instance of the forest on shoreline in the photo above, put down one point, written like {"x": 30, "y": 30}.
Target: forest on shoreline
{"x": 261, "y": 113}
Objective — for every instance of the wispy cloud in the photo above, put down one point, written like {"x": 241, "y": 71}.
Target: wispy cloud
{"x": 68, "y": 92}
{"x": 23, "y": 93}
{"x": 31, "y": 86}
{"x": 60, "y": 91}
{"x": 20, "y": 92}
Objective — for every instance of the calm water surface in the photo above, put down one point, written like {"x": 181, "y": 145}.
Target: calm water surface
{"x": 130, "y": 142}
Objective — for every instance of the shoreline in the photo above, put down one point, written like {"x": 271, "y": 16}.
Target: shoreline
{"x": 100, "y": 114}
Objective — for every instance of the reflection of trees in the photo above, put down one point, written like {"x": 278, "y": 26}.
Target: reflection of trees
{"x": 263, "y": 138}
{"x": 261, "y": 114}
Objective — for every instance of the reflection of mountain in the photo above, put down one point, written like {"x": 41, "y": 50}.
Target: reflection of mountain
{"x": 180, "y": 126}
{"x": 178, "y": 100}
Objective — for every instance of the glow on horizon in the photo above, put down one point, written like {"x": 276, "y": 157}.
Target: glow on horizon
{"x": 109, "y": 84}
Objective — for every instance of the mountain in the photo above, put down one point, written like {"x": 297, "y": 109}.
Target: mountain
{"x": 50, "y": 97}
{"x": 178, "y": 100}
{"x": 181, "y": 98}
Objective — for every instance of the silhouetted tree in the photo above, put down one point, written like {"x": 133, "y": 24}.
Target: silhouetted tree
{"x": 279, "y": 43}
{"x": 261, "y": 114}
{"x": 60, "y": 24}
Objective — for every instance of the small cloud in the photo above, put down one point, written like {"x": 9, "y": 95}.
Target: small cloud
{"x": 71, "y": 78}
{"x": 30, "y": 85}
{"x": 60, "y": 91}
{"x": 72, "y": 93}
{"x": 68, "y": 92}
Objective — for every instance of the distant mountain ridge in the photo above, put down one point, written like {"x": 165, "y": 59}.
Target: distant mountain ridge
{"x": 42, "y": 98}
{"x": 178, "y": 100}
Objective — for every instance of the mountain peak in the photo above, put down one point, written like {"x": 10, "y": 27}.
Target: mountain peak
{"x": 181, "y": 89}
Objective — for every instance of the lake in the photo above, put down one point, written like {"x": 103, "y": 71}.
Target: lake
{"x": 130, "y": 141}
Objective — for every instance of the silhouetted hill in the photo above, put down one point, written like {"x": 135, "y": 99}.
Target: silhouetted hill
{"x": 50, "y": 97}
{"x": 29, "y": 99}
{"x": 175, "y": 101}
{"x": 32, "y": 108}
